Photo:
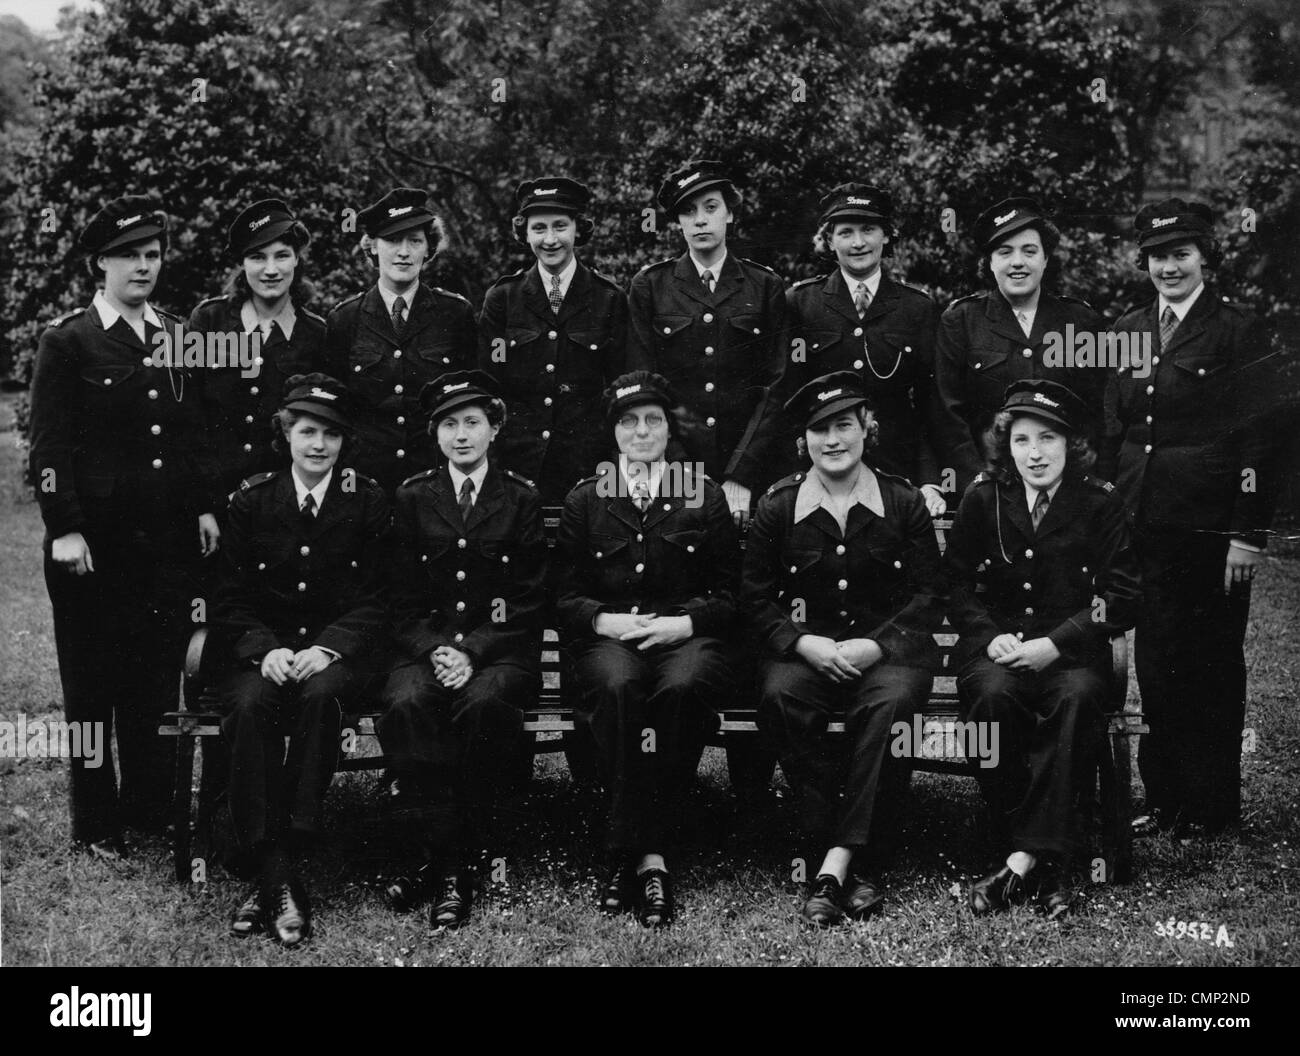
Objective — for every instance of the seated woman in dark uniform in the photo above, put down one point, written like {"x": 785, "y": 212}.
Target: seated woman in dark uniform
{"x": 301, "y": 608}
{"x": 263, "y": 311}
{"x": 1042, "y": 574}
{"x": 650, "y": 573}
{"x": 841, "y": 584}
{"x": 468, "y": 568}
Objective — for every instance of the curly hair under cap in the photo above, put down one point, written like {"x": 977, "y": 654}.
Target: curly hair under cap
{"x": 283, "y": 421}
{"x": 1048, "y": 234}
{"x": 821, "y": 240}
{"x": 494, "y": 409}
{"x": 870, "y": 439}
{"x": 1079, "y": 455}
{"x": 435, "y": 231}
{"x": 302, "y": 290}
{"x": 1209, "y": 247}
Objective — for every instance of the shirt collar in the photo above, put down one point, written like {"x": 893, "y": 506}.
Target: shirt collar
{"x": 389, "y": 297}
{"x": 566, "y": 277}
{"x": 458, "y": 480}
{"x": 1181, "y": 308}
{"x": 108, "y": 315}
{"x": 812, "y": 495}
{"x": 716, "y": 267}
{"x": 318, "y": 492}
{"x": 872, "y": 281}
{"x": 286, "y": 317}
{"x": 1031, "y": 493}
{"x": 656, "y": 476}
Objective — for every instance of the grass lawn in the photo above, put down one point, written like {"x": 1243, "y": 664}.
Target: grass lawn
{"x": 737, "y": 898}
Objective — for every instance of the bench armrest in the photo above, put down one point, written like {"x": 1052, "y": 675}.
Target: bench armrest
{"x": 1118, "y": 672}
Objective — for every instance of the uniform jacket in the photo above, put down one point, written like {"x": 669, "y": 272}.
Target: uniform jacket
{"x": 1179, "y": 440}
{"x": 386, "y": 372}
{"x": 238, "y": 409}
{"x": 115, "y": 439}
{"x": 680, "y": 560}
{"x": 879, "y": 580}
{"x": 1075, "y": 581}
{"x": 552, "y": 370}
{"x": 476, "y": 586}
{"x": 982, "y": 349}
{"x": 292, "y": 583}
{"x": 723, "y": 352}
{"x": 891, "y": 349}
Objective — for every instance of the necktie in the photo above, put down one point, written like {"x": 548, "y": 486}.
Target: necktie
{"x": 556, "y": 297}
{"x": 861, "y": 298}
{"x": 706, "y": 277}
{"x": 1040, "y": 509}
{"x": 1023, "y": 320}
{"x": 399, "y": 319}
{"x": 466, "y": 498}
{"x": 641, "y": 495}
{"x": 1168, "y": 324}
{"x": 308, "y": 510}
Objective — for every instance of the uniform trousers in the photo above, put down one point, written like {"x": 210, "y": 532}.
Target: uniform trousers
{"x": 274, "y": 793}
{"x": 1191, "y": 670}
{"x": 650, "y": 714}
{"x": 455, "y": 747}
{"x": 1049, "y": 727}
{"x": 850, "y": 791}
{"x": 120, "y": 634}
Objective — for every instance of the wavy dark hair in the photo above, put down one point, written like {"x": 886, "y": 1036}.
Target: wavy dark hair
{"x": 1079, "y": 455}
{"x": 1051, "y": 239}
{"x": 493, "y": 407}
{"x": 1209, "y": 247}
{"x": 301, "y": 291}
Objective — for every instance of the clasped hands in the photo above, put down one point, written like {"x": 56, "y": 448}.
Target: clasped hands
{"x": 451, "y": 667}
{"x": 283, "y": 665}
{"x": 1033, "y": 655}
{"x": 646, "y": 629}
{"x": 838, "y": 661}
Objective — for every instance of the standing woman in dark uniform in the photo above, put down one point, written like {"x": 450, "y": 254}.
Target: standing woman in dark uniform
{"x": 263, "y": 313}
{"x": 1042, "y": 575}
{"x": 858, "y": 318}
{"x": 1010, "y": 332}
{"x": 714, "y": 325}
{"x": 651, "y": 567}
{"x": 116, "y": 426}
{"x": 1196, "y": 465}
{"x": 841, "y": 584}
{"x": 302, "y": 609}
{"x": 553, "y": 335}
{"x": 467, "y": 575}
{"x": 387, "y": 343}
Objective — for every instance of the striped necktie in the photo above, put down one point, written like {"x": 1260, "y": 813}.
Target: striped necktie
{"x": 556, "y": 297}
{"x": 861, "y": 299}
{"x": 1168, "y": 324}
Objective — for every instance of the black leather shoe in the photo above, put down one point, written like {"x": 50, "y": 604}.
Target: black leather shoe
{"x": 288, "y": 912}
{"x": 655, "y": 907}
{"x": 997, "y": 891}
{"x": 863, "y": 896}
{"x": 455, "y": 896}
{"x": 1151, "y": 823}
{"x": 248, "y": 918}
{"x": 824, "y": 905}
{"x": 615, "y": 894}
{"x": 405, "y": 893}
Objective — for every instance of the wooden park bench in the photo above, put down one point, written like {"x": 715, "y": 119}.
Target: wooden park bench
{"x": 551, "y": 726}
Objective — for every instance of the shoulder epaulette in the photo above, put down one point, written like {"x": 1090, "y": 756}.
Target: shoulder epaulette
{"x": 984, "y": 477}
{"x": 450, "y": 293}
{"x": 605, "y": 279}
{"x": 418, "y": 476}
{"x": 808, "y": 282}
{"x": 893, "y": 476}
{"x": 786, "y": 482}
{"x": 519, "y": 478}
{"x": 510, "y": 276}
{"x": 968, "y": 297}
{"x": 220, "y": 298}
{"x": 257, "y": 481}
{"x": 163, "y": 314}
{"x": 66, "y": 316}
{"x": 1076, "y": 300}
{"x": 756, "y": 264}
{"x": 350, "y": 472}
{"x": 311, "y": 315}
{"x": 912, "y": 288}
{"x": 1240, "y": 309}
{"x": 658, "y": 264}
{"x": 1097, "y": 482}
{"x": 348, "y": 300}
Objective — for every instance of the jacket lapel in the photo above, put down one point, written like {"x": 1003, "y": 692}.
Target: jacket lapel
{"x": 422, "y": 316}
{"x": 286, "y": 503}
{"x": 486, "y": 505}
{"x": 837, "y": 298}
{"x": 730, "y": 282}
{"x": 884, "y": 301}
{"x": 687, "y": 280}
{"x": 577, "y": 297}
{"x": 1002, "y": 319}
{"x": 1015, "y": 510}
{"x": 1193, "y": 325}
{"x": 374, "y": 316}
{"x": 334, "y": 510}
{"x": 1049, "y": 317}
{"x": 535, "y": 299}
{"x": 1062, "y": 510}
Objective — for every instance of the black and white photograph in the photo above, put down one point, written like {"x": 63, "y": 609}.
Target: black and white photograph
{"x": 655, "y": 483}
